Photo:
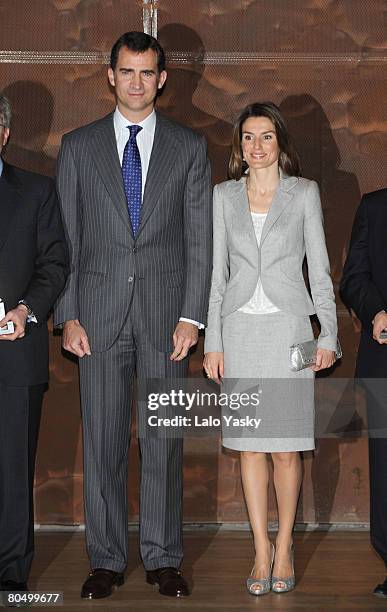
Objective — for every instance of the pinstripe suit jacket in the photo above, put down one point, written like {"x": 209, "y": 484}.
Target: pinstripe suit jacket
{"x": 293, "y": 229}
{"x": 168, "y": 263}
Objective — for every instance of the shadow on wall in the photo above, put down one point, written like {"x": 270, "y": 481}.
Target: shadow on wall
{"x": 320, "y": 161}
{"x": 32, "y": 112}
{"x": 178, "y": 98}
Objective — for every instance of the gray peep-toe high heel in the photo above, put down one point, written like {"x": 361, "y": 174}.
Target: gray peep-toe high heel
{"x": 289, "y": 583}
{"x": 263, "y": 583}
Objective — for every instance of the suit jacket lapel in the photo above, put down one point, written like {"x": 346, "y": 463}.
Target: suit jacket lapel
{"x": 160, "y": 164}
{"x": 282, "y": 196}
{"x": 10, "y": 203}
{"x": 242, "y": 211}
{"x": 104, "y": 151}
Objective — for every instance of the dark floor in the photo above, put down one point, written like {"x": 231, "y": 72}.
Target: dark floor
{"x": 334, "y": 571}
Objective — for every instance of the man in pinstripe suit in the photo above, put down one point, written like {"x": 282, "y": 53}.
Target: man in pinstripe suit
{"x": 136, "y": 199}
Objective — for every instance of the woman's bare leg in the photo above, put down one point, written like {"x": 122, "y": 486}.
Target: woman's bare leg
{"x": 287, "y": 483}
{"x": 255, "y": 479}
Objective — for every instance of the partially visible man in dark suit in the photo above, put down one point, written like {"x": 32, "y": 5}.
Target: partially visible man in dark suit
{"x": 33, "y": 270}
{"x": 135, "y": 190}
{"x": 364, "y": 289}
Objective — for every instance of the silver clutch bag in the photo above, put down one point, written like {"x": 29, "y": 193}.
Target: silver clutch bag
{"x": 303, "y": 355}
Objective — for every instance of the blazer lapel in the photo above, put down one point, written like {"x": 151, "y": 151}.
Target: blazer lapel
{"x": 104, "y": 151}
{"x": 243, "y": 209}
{"x": 282, "y": 196}
{"x": 160, "y": 164}
{"x": 10, "y": 203}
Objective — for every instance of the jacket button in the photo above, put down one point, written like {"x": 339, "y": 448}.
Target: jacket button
{"x": 134, "y": 250}
{"x": 130, "y": 279}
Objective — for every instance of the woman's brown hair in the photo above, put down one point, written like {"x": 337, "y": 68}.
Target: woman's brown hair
{"x": 288, "y": 159}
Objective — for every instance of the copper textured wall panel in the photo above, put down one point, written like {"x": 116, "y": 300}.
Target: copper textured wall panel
{"x": 280, "y": 25}
{"x": 324, "y": 62}
{"x": 66, "y": 25}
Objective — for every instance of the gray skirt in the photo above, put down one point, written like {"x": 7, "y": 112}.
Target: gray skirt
{"x": 269, "y": 407}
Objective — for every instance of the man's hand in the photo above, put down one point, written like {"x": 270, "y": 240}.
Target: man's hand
{"x": 19, "y": 317}
{"x": 213, "y": 365}
{"x": 380, "y": 324}
{"x": 75, "y": 339}
{"x": 185, "y": 336}
{"x": 324, "y": 359}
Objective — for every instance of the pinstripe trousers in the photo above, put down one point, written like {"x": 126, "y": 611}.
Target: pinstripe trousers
{"x": 106, "y": 398}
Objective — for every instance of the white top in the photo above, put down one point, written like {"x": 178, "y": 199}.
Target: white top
{"x": 259, "y": 303}
{"x": 144, "y": 139}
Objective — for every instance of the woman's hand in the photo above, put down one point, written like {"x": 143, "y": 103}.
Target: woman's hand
{"x": 213, "y": 365}
{"x": 324, "y": 359}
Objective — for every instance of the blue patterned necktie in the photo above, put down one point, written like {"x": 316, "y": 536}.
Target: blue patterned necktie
{"x": 132, "y": 175}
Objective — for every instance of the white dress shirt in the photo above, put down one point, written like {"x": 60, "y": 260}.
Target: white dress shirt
{"x": 144, "y": 140}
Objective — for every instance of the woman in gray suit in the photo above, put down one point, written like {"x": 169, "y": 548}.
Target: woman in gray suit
{"x": 266, "y": 219}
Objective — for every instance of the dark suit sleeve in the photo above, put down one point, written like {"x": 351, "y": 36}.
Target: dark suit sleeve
{"x": 67, "y": 307}
{"x": 357, "y": 287}
{"x": 198, "y": 236}
{"x": 51, "y": 263}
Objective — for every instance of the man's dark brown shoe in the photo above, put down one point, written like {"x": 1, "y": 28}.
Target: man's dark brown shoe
{"x": 11, "y": 585}
{"x": 170, "y": 581}
{"x": 381, "y": 590}
{"x": 19, "y": 587}
{"x": 100, "y": 583}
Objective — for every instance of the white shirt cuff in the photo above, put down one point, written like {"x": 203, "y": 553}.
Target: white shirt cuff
{"x": 198, "y": 325}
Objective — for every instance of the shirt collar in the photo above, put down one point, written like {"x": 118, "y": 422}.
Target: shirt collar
{"x": 121, "y": 122}
{"x": 1, "y": 166}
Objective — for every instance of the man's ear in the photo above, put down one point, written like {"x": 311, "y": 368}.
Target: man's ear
{"x": 111, "y": 77}
{"x": 162, "y": 79}
{"x": 5, "y": 136}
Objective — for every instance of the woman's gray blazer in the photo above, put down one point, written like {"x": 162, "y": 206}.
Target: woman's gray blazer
{"x": 293, "y": 229}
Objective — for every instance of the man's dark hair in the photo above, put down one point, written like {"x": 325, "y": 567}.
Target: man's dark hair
{"x": 139, "y": 43}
